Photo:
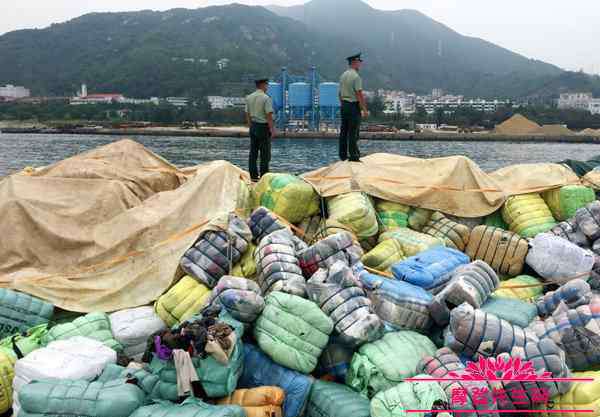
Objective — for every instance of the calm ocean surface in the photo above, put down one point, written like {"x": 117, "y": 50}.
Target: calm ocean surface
{"x": 289, "y": 155}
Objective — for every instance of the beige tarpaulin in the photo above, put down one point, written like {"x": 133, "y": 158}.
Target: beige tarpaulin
{"x": 454, "y": 185}
{"x": 105, "y": 230}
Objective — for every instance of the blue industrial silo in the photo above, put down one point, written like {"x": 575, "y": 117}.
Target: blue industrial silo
{"x": 299, "y": 99}
{"x": 329, "y": 101}
{"x": 276, "y": 93}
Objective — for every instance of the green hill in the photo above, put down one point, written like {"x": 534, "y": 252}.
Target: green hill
{"x": 149, "y": 53}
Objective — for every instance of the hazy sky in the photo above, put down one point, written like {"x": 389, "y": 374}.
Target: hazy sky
{"x": 562, "y": 32}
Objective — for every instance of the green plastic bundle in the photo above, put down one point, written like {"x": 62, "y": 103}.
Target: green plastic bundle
{"x": 287, "y": 196}
{"x": 417, "y": 395}
{"x": 382, "y": 364}
{"x": 565, "y": 201}
{"x": 391, "y": 215}
{"x": 93, "y": 325}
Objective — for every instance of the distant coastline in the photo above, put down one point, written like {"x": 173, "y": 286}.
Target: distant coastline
{"x": 240, "y": 133}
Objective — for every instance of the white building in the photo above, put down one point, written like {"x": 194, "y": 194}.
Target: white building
{"x": 97, "y": 99}
{"x": 178, "y": 101}
{"x": 576, "y": 101}
{"x": 222, "y": 103}
{"x": 223, "y": 63}
{"x": 13, "y": 92}
{"x": 594, "y": 106}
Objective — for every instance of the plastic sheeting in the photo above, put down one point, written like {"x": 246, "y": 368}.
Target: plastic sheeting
{"x": 105, "y": 230}
{"x": 453, "y": 185}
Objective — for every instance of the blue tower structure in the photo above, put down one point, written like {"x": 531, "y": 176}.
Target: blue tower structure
{"x": 304, "y": 101}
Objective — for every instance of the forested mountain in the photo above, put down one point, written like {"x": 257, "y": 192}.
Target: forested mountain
{"x": 176, "y": 52}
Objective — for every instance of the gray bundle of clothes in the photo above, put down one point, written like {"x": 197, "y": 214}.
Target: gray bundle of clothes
{"x": 277, "y": 265}
{"x": 471, "y": 283}
{"x": 326, "y": 252}
{"x": 240, "y": 297}
{"x": 263, "y": 222}
{"x": 214, "y": 253}
{"x": 339, "y": 294}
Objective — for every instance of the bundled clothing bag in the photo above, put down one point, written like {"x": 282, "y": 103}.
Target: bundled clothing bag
{"x": 7, "y": 374}
{"x": 76, "y": 358}
{"x": 570, "y": 231}
{"x": 67, "y": 398}
{"x": 246, "y": 266}
{"x": 263, "y": 222}
{"x": 527, "y": 215}
{"x": 504, "y": 251}
{"x": 292, "y": 331}
{"x": 257, "y": 402}
{"x": 355, "y": 211}
{"x": 444, "y": 364}
{"x": 384, "y": 255}
{"x": 558, "y": 260}
{"x": 337, "y": 291}
{"x": 191, "y": 407}
{"x": 400, "y": 305}
{"x": 565, "y": 201}
{"x": 431, "y": 269}
{"x": 335, "y": 361}
{"x": 132, "y": 328}
{"x": 288, "y": 196}
{"x": 455, "y": 235}
{"x": 583, "y": 395}
{"x": 576, "y": 332}
{"x": 260, "y": 370}
{"x": 277, "y": 265}
{"x": 182, "y": 301}
{"x": 546, "y": 359}
{"x": 471, "y": 283}
{"x": 380, "y": 365}
{"x": 588, "y": 220}
{"x": 513, "y": 310}
{"x": 523, "y": 287}
{"x": 93, "y": 325}
{"x": 22, "y": 344}
{"x": 573, "y": 294}
{"x": 19, "y": 312}
{"x": 240, "y": 297}
{"x": 391, "y": 215}
{"x": 328, "y": 399}
{"x": 474, "y": 332}
{"x": 410, "y": 395}
{"x": 411, "y": 242}
{"x": 217, "y": 250}
{"x": 337, "y": 247}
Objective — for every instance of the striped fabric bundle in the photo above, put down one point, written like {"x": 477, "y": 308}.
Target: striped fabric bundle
{"x": 215, "y": 251}
{"x": 475, "y": 332}
{"x": 338, "y": 247}
{"x": 399, "y": 304}
{"x": 471, "y": 283}
{"x": 337, "y": 291}
{"x": 240, "y": 297}
{"x": 277, "y": 264}
{"x": 570, "y": 231}
{"x": 576, "y": 332}
{"x": 455, "y": 235}
{"x": 445, "y": 361}
{"x": 263, "y": 222}
{"x": 573, "y": 294}
{"x": 588, "y": 220}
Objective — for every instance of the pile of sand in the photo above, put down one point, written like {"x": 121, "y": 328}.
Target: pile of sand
{"x": 589, "y": 132}
{"x": 553, "y": 130}
{"x": 517, "y": 125}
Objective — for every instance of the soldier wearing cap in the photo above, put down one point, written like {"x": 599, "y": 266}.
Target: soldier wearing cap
{"x": 259, "y": 117}
{"x": 354, "y": 107}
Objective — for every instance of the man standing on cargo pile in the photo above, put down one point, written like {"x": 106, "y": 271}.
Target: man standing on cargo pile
{"x": 259, "y": 117}
{"x": 354, "y": 107}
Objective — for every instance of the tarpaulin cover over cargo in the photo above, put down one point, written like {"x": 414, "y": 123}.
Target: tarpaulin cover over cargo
{"x": 453, "y": 185}
{"x": 105, "y": 230}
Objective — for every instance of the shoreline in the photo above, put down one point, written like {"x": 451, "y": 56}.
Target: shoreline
{"x": 383, "y": 136}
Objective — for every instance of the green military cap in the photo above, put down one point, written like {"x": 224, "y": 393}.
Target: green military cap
{"x": 353, "y": 58}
